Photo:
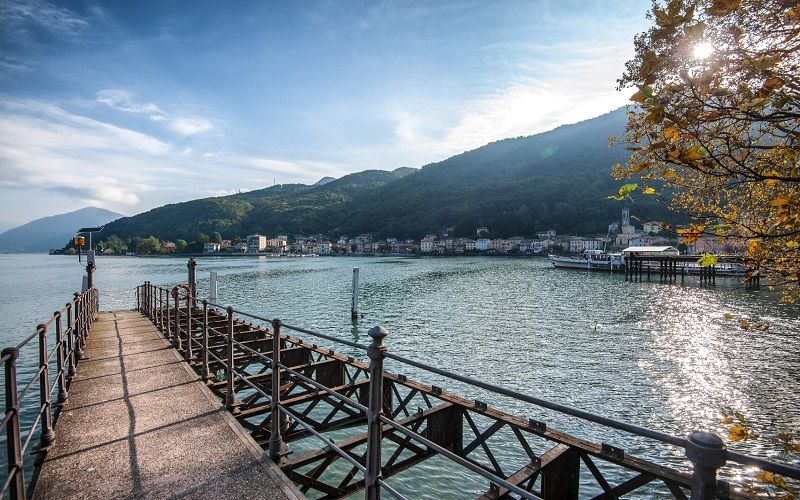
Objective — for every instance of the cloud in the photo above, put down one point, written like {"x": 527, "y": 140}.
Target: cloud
{"x": 42, "y": 146}
{"x": 22, "y": 17}
{"x": 578, "y": 86}
{"x": 190, "y": 126}
{"x": 123, "y": 101}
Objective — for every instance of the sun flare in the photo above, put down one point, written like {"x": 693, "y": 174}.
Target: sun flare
{"x": 702, "y": 50}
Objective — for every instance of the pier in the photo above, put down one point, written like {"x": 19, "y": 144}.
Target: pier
{"x": 184, "y": 396}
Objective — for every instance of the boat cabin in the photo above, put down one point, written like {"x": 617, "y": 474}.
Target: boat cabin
{"x": 665, "y": 251}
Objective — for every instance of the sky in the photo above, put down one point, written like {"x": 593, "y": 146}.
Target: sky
{"x": 132, "y": 105}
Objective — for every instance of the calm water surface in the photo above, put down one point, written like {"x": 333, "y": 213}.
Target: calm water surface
{"x": 669, "y": 357}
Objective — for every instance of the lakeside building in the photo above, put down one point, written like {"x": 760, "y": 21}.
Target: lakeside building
{"x": 256, "y": 243}
{"x": 211, "y": 247}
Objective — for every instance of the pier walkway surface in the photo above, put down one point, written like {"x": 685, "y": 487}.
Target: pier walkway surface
{"x": 139, "y": 423}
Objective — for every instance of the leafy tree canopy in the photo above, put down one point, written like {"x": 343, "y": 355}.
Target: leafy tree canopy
{"x": 717, "y": 82}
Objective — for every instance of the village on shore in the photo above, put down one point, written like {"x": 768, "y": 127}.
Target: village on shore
{"x": 620, "y": 235}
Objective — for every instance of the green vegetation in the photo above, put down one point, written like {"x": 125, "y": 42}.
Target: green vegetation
{"x": 556, "y": 180}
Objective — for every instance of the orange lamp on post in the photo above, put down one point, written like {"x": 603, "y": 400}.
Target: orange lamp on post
{"x": 79, "y": 240}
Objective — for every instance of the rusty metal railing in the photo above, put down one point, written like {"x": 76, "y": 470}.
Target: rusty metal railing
{"x": 70, "y": 339}
{"x": 706, "y": 451}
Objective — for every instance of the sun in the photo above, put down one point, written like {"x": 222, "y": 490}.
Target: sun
{"x": 702, "y": 50}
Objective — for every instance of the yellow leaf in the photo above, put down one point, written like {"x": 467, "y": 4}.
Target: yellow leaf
{"x": 648, "y": 190}
{"x": 781, "y": 201}
{"x": 737, "y": 432}
{"x": 764, "y": 476}
{"x": 694, "y": 153}
{"x": 744, "y": 324}
{"x": 728, "y": 316}
{"x": 707, "y": 260}
{"x": 638, "y": 97}
{"x": 671, "y": 133}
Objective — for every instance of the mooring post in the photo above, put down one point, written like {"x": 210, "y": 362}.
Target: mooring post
{"x": 376, "y": 352}
{"x": 192, "y": 265}
{"x": 204, "y": 354}
{"x": 276, "y": 444}
{"x": 213, "y": 286}
{"x": 47, "y": 436}
{"x": 354, "y": 301}
{"x": 78, "y": 327}
{"x": 230, "y": 396}
{"x": 13, "y": 441}
{"x": 60, "y": 360}
{"x": 187, "y": 353}
{"x": 707, "y": 453}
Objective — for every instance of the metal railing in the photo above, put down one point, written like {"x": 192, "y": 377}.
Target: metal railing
{"x": 706, "y": 451}
{"x": 71, "y": 326}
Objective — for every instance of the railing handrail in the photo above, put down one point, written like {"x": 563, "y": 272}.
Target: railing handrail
{"x": 69, "y": 338}
{"x": 690, "y": 444}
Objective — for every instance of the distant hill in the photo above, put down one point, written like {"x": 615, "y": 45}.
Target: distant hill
{"x": 281, "y": 209}
{"x": 554, "y": 180}
{"x": 43, "y": 234}
{"x": 324, "y": 181}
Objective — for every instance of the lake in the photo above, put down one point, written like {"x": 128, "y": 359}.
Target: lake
{"x": 667, "y": 356}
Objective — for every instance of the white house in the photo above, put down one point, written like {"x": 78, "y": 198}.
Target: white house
{"x": 211, "y": 247}
{"x": 428, "y": 244}
{"x": 324, "y": 248}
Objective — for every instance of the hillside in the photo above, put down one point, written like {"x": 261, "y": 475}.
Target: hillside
{"x": 43, "y": 234}
{"x": 285, "y": 208}
{"x": 558, "y": 179}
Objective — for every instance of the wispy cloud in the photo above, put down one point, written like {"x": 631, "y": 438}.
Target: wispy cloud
{"x": 122, "y": 100}
{"x": 190, "y": 126}
{"x": 42, "y": 146}
{"x": 22, "y": 17}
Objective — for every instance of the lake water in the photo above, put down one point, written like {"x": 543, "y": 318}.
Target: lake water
{"x": 669, "y": 357}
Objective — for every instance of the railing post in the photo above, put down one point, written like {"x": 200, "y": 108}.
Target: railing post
{"x": 204, "y": 354}
{"x": 160, "y": 310}
{"x": 168, "y": 333}
{"x": 47, "y": 435}
{"x": 707, "y": 453}
{"x": 138, "y": 299}
{"x": 376, "y": 352}
{"x": 230, "y": 395}
{"x": 70, "y": 341}
{"x": 187, "y": 353}
{"x": 13, "y": 441}
{"x": 277, "y": 447}
{"x": 60, "y": 359}
{"x": 78, "y": 328}
{"x": 176, "y": 339}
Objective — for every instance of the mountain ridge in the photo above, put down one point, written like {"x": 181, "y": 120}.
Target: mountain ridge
{"x": 50, "y": 232}
{"x": 558, "y": 179}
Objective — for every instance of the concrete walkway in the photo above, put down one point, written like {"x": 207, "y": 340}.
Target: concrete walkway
{"x": 140, "y": 424}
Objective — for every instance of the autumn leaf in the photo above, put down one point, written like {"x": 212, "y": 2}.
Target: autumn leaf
{"x": 723, "y": 7}
{"x": 707, "y": 260}
{"x": 648, "y": 190}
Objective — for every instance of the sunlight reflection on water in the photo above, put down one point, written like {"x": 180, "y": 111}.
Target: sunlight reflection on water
{"x": 669, "y": 357}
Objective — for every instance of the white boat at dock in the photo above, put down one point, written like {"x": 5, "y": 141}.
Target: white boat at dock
{"x": 595, "y": 260}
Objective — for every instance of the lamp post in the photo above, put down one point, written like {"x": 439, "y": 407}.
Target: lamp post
{"x": 90, "y": 267}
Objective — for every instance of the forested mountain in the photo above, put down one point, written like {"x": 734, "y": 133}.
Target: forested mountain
{"x": 558, "y": 179}
{"x": 43, "y": 234}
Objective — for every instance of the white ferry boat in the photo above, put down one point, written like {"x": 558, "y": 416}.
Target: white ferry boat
{"x": 595, "y": 260}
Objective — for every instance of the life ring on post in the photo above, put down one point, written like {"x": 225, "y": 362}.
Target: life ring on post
{"x": 187, "y": 292}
